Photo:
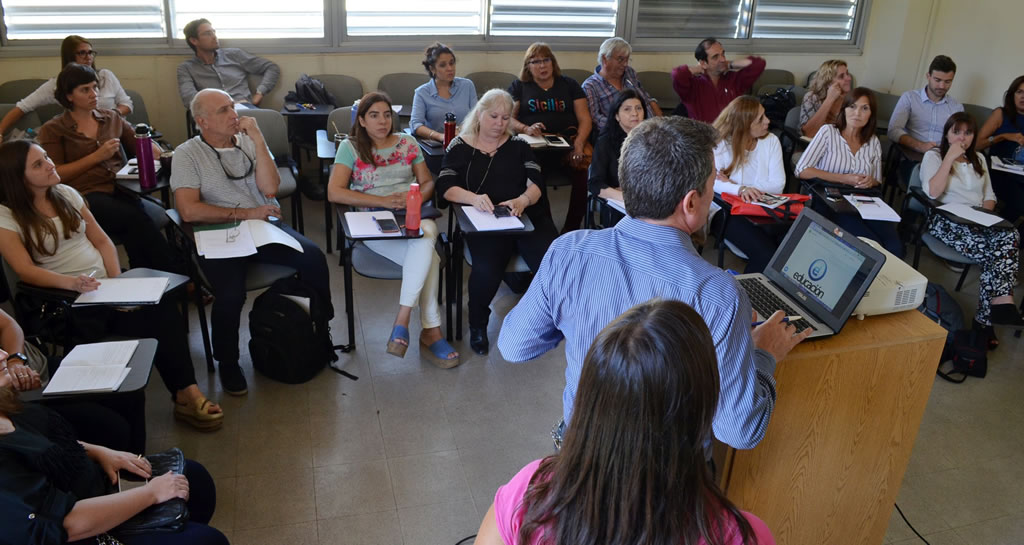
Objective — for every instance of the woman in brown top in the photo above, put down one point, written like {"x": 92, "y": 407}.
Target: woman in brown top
{"x": 85, "y": 144}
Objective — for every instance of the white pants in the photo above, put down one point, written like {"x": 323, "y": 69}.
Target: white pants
{"x": 420, "y": 264}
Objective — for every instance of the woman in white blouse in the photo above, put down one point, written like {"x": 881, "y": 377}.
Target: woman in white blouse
{"x": 956, "y": 173}
{"x": 110, "y": 94}
{"x": 848, "y": 153}
{"x": 753, "y": 169}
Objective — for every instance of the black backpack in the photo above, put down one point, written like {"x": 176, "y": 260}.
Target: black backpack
{"x": 778, "y": 104}
{"x": 310, "y": 91}
{"x": 964, "y": 347}
{"x": 288, "y": 343}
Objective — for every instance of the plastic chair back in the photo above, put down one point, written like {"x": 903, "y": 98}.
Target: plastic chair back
{"x": 577, "y": 74}
{"x": 401, "y": 87}
{"x": 274, "y": 130}
{"x": 659, "y": 86}
{"x": 485, "y": 81}
{"x": 27, "y": 121}
{"x": 773, "y": 76}
{"x": 17, "y": 89}
{"x": 345, "y": 89}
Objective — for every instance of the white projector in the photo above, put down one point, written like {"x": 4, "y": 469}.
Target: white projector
{"x": 897, "y": 287}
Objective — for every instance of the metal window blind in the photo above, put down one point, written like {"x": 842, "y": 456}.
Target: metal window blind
{"x": 805, "y": 19}
{"x": 411, "y": 17}
{"x": 692, "y": 18}
{"x": 553, "y": 17}
{"x": 252, "y": 18}
{"x": 55, "y": 19}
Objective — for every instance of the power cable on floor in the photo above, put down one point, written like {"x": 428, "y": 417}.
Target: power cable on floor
{"x": 465, "y": 539}
{"x": 904, "y": 517}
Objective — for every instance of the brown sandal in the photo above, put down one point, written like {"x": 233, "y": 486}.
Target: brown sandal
{"x": 197, "y": 413}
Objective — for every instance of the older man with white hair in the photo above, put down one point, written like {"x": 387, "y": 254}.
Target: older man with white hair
{"x": 227, "y": 174}
{"x": 613, "y": 74}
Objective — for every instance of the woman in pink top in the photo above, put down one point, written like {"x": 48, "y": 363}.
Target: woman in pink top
{"x": 632, "y": 469}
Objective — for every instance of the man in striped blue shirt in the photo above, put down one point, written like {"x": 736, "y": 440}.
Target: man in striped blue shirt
{"x": 588, "y": 278}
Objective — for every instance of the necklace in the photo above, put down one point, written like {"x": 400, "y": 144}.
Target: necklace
{"x": 483, "y": 179}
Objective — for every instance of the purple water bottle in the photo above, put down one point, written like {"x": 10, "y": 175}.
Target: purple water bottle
{"x": 144, "y": 156}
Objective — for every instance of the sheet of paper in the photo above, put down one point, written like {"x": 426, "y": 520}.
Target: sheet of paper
{"x": 263, "y": 232}
{"x": 486, "y": 221}
{"x": 216, "y": 244}
{"x": 999, "y": 164}
{"x": 534, "y": 141}
{"x": 84, "y": 379}
{"x": 872, "y": 208}
{"x": 617, "y": 204}
{"x": 131, "y": 170}
{"x": 117, "y": 353}
{"x": 362, "y": 224}
{"x": 968, "y": 213}
{"x": 135, "y": 291}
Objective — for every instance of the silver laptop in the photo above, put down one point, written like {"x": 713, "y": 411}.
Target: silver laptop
{"x": 819, "y": 272}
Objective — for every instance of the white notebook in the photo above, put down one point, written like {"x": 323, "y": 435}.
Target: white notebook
{"x": 487, "y": 221}
{"x": 125, "y": 291}
{"x": 94, "y": 367}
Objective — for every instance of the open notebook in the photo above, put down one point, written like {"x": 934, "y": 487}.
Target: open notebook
{"x": 94, "y": 367}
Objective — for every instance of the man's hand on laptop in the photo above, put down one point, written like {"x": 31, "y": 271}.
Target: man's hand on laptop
{"x": 777, "y": 337}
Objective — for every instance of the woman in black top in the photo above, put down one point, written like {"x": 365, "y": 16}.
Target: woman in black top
{"x": 628, "y": 112}
{"x": 546, "y": 102}
{"x": 486, "y": 167}
{"x": 55, "y": 489}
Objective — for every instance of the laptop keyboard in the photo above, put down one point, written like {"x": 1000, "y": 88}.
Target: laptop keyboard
{"x": 766, "y": 303}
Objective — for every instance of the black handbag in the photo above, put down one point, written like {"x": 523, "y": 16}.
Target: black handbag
{"x": 169, "y": 516}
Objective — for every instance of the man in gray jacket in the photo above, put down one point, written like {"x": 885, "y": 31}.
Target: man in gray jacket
{"x": 222, "y": 68}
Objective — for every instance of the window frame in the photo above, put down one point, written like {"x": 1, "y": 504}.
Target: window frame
{"x": 336, "y": 40}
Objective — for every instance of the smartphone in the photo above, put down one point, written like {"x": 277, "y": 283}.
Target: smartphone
{"x": 386, "y": 225}
{"x": 833, "y": 193}
{"x": 291, "y": 106}
{"x": 502, "y": 211}
{"x": 431, "y": 143}
{"x": 553, "y": 138}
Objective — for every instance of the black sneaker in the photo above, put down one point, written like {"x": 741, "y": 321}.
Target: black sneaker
{"x": 232, "y": 380}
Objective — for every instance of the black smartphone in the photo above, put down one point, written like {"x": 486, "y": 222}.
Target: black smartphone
{"x": 833, "y": 193}
{"x": 386, "y": 225}
{"x": 502, "y": 211}
{"x": 553, "y": 138}
{"x": 291, "y": 106}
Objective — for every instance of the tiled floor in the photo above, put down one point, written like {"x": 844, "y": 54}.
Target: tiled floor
{"x": 411, "y": 454}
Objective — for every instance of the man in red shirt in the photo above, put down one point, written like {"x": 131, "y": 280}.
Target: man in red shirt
{"x": 713, "y": 82}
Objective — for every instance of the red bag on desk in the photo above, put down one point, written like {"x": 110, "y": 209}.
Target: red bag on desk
{"x": 788, "y": 210}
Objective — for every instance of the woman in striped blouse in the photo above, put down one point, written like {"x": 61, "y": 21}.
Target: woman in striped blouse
{"x": 849, "y": 153}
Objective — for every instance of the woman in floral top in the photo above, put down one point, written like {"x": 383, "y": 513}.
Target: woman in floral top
{"x": 372, "y": 171}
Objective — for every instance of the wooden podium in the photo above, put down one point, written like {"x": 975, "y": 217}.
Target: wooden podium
{"x": 849, "y": 407}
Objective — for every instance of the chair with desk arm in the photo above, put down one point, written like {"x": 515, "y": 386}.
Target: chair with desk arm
{"x": 257, "y": 276}
{"x": 28, "y": 121}
{"x": 924, "y": 206}
{"x": 354, "y": 255}
{"x": 275, "y": 132}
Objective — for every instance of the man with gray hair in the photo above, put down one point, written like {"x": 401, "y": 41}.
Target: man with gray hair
{"x": 588, "y": 278}
{"x": 613, "y": 74}
{"x": 226, "y": 174}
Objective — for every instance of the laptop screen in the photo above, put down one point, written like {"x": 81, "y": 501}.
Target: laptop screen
{"x": 824, "y": 268}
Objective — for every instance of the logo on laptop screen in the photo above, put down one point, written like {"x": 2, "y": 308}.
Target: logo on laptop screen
{"x": 817, "y": 269}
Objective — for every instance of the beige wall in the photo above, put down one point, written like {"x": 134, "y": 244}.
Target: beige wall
{"x": 902, "y": 36}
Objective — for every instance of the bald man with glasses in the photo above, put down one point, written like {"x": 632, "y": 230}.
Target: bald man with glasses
{"x": 226, "y": 174}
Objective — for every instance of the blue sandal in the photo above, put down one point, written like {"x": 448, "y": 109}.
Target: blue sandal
{"x": 437, "y": 353}
{"x": 396, "y": 348}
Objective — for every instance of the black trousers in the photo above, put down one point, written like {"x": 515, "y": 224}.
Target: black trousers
{"x": 227, "y": 277}
{"x": 491, "y": 255}
{"x": 122, "y": 217}
{"x": 202, "y": 501}
{"x": 116, "y": 421}
{"x": 1009, "y": 190}
{"x": 756, "y": 242}
{"x": 882, "y": 232}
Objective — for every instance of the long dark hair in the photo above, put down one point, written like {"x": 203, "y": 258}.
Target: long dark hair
{"x": 962, "y": 120}
{"x": 363, "y": 142}
{"x": 612, "y": 127}
{"x": 868, "y": 130}
{"x": 1009, "y": 106}
{"x": 36, "y": 227}
{"x": 632, "y": 469}
{"x": 9, "y": 402}
{"x": 432, "y": 54}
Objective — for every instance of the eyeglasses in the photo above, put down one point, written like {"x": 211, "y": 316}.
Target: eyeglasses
{"x": 622, "y": 59}
{"x": 538, "y": 62}
{"x": 231, "y": 233}
{"x": 89, "y": 53}
{"x": 230, "y": 176}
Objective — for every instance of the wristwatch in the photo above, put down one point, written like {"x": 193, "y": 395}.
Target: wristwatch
{"x": 18, "y": 356}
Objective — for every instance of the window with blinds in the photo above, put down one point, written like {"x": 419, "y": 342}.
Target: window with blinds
{"x": 412, "y": 17}
{"x": 692, "y": 18}
{"x": 55, "y": 19}
{"x": 595, "y": 18}
{"x": 805, "y": 19}
{"x": 252, "y": 18}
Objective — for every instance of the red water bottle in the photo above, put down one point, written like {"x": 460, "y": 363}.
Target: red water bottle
{"x": 413, "y": 202}
{"x": 144, "y": 156}
{"x": 449, "y": 128}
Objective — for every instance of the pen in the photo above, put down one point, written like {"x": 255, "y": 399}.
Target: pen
{"x": 784, "y": 320}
